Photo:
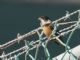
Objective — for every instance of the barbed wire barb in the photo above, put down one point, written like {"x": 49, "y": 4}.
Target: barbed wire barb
{"x": 43, "y": 41}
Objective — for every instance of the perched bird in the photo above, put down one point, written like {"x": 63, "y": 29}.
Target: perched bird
{"x": 47, "y": 28}
{"x": 46, "y": 25}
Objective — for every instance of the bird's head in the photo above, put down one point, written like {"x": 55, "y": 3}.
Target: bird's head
{"x": 44, "y": 20}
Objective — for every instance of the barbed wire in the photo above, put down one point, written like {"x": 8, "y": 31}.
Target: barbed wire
{"x": 41, "y": 42}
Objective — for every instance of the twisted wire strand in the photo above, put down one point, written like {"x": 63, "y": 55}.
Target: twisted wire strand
{"x": 33, "y": 32}
{"x": 22, "y": 37}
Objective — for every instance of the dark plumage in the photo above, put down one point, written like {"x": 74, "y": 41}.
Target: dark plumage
{"x": 45, "y": 17}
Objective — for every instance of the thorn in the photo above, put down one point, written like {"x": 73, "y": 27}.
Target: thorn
{"x": 18, "y": 35}
{"x": 3, "y": 53}
{"x": 67, "y": 12}
{"x": 67, "y": 15}
{"x": 3, "y": 58}
{"x": 15, "y": 57}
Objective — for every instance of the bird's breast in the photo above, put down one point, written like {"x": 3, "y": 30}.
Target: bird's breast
{"x": 47, "y": 30}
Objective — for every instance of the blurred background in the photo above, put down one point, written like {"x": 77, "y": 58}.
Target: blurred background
{"x": 20, "y": 16}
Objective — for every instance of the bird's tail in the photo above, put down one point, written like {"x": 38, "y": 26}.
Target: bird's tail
{"x": 58, "y": 41}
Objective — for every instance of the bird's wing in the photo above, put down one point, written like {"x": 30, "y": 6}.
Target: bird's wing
{"x": 55, "y": 28}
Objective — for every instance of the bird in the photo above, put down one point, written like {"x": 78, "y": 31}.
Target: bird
{"x": 47, "y": 29}
{"x": 46, "y": 25}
